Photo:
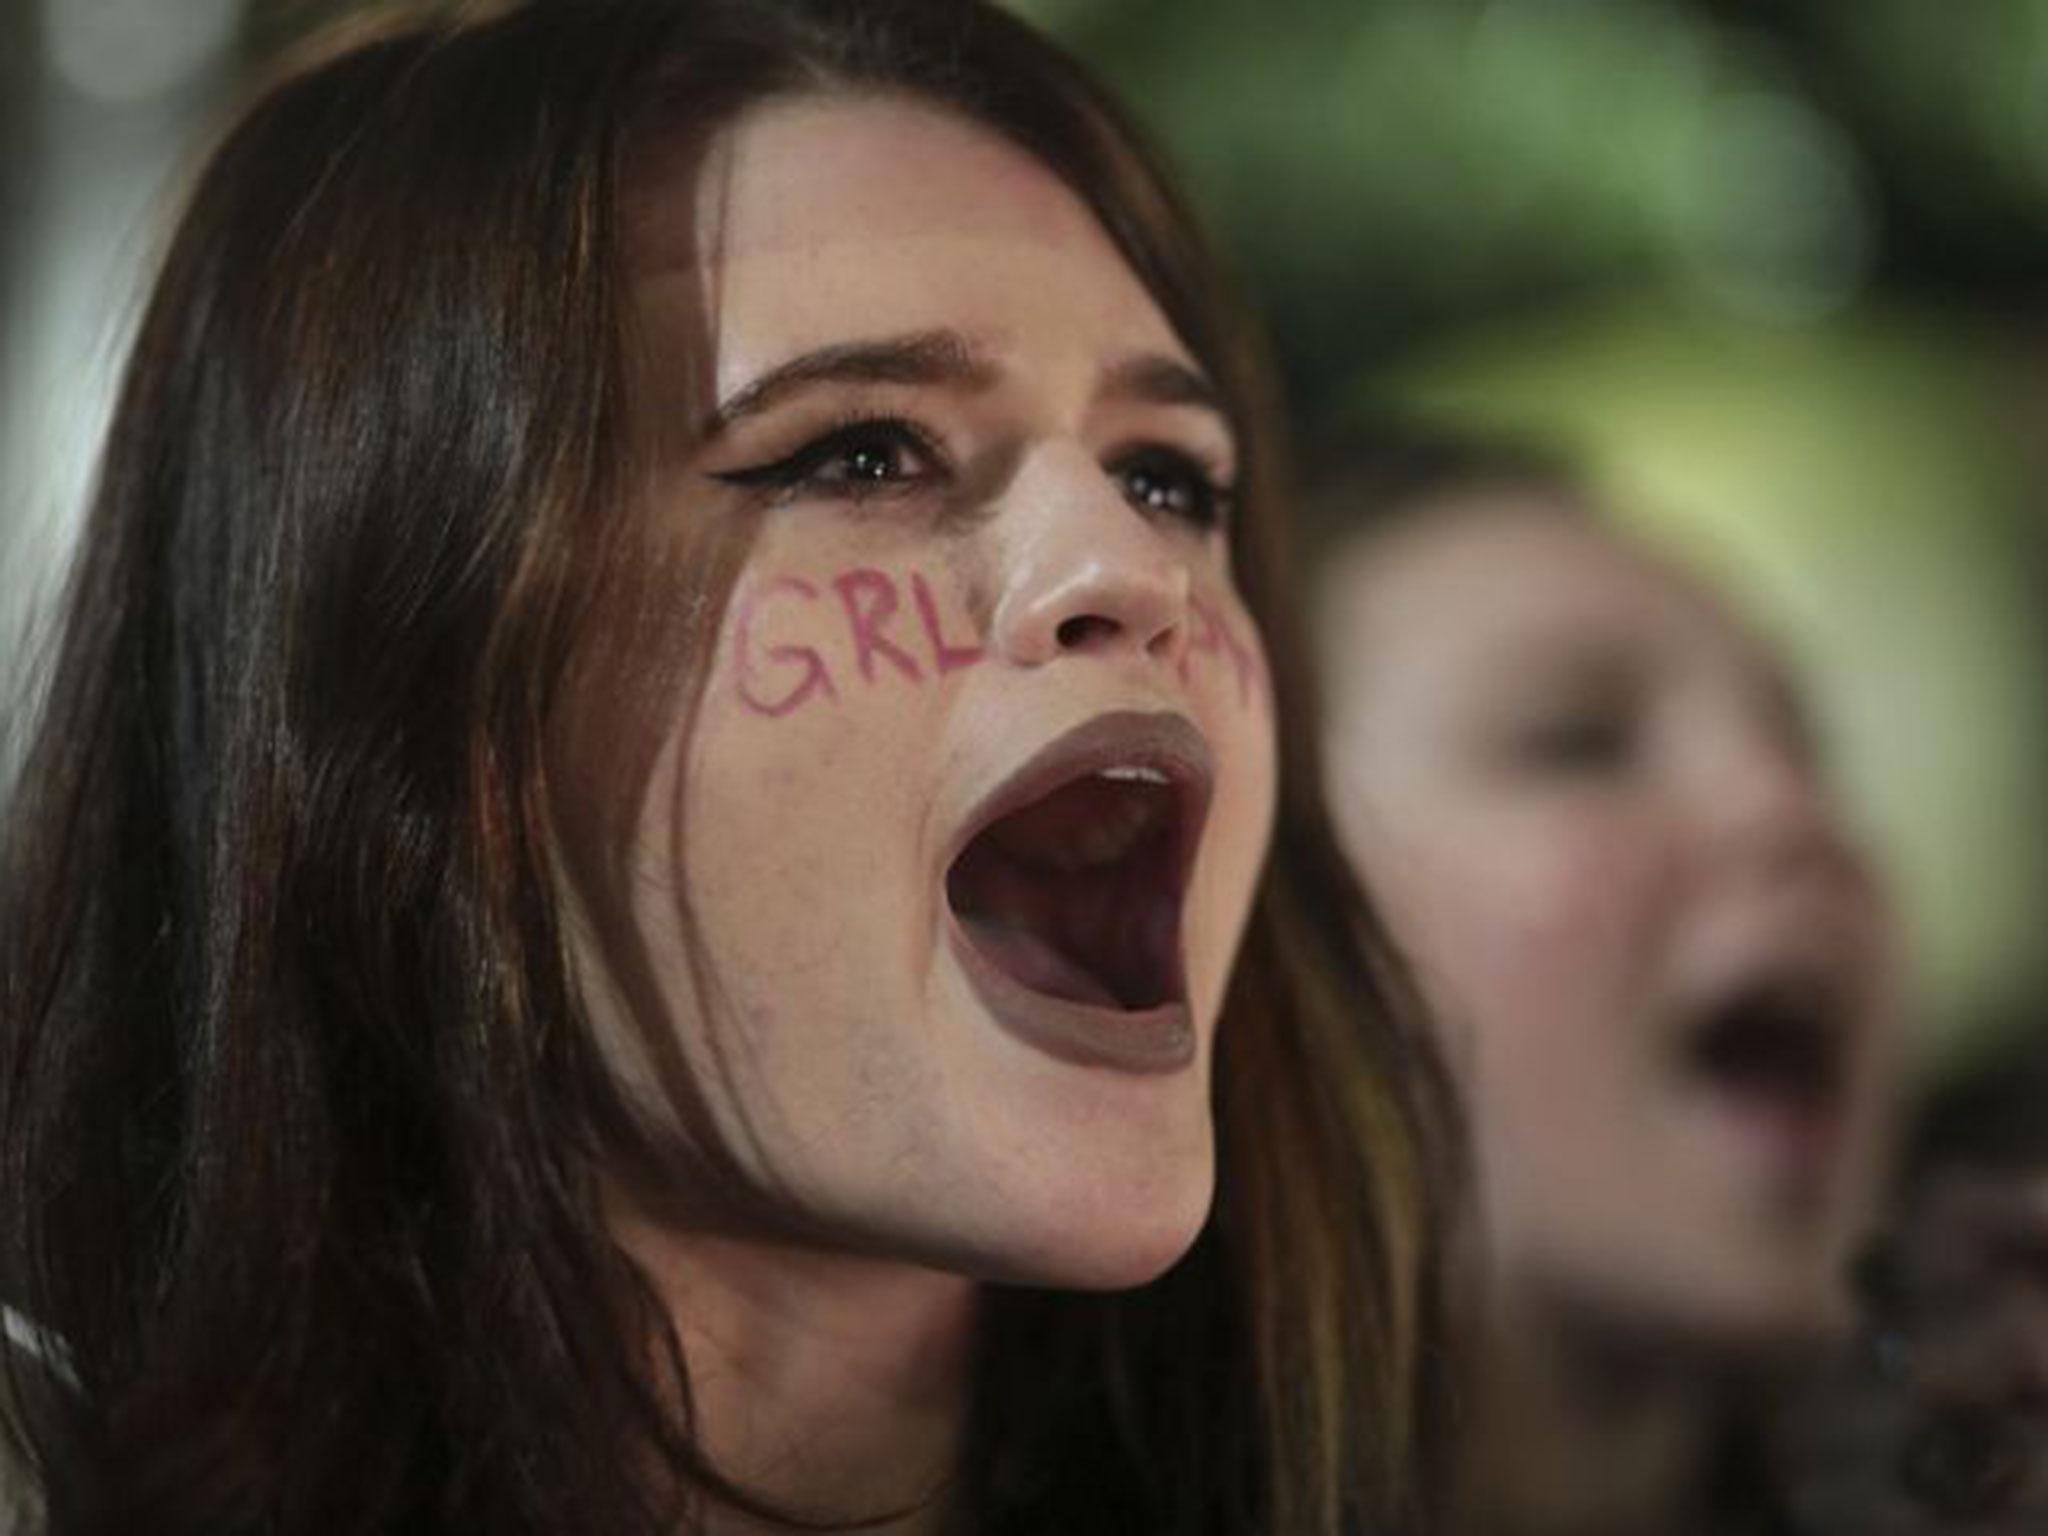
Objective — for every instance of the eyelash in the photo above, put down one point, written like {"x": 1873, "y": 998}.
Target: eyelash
{"x": 825, "y": 466}
{"x": 806, "y": 470}
{"x": 1208, "y": 500}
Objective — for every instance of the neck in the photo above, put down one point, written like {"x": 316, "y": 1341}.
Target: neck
{"x": 831, "y": 1387}
{"x": 1584, "y": 1432}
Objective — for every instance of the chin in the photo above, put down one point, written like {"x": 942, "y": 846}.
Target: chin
{"x": 1763, "y": 1308}
{"x": 1110, "y": 1236}
{"x": 1794, "y": 1311}
{"x": 1710, "y": 1306}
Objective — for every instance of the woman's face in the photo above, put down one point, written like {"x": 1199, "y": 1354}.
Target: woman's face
{"x": 971, "y": 814}
{"x": 1589, "y": 800}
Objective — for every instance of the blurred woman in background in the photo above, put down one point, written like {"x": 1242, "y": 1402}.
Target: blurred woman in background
{"x": 643, "y": 900}
{"x": 1590, "y": 799}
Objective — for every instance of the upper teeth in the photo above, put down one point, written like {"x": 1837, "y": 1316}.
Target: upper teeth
{"x": 1139, "y": 773}
{"x": 1111, "y": 837}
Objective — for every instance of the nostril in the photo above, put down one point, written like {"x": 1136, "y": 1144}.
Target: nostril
{"x": 1085, "y": 629}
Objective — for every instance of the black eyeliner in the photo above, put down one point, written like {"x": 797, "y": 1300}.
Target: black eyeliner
{"x": 793, "y": 471}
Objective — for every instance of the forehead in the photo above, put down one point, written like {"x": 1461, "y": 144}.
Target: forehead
{"x": 1512, "y": 579}
{"x": 814, "y": 217}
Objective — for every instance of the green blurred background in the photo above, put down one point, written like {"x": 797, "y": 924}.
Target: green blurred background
{"x": 1775, "y": 271}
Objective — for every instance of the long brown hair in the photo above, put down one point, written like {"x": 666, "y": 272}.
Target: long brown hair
{"x": 300, "y": 1111}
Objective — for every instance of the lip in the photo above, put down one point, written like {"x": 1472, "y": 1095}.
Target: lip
{"x": 1797, "y": 1144}
{"x": 1147, "y": 1041}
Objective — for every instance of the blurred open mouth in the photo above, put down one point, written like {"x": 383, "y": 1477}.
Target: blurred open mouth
{"x": 1066, "y": 898}
{"x": 1775, "y": 1048}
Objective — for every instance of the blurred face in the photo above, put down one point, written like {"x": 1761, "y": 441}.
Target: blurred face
{"x": 971, "y": 813}
{"x": 1589, "y": 801}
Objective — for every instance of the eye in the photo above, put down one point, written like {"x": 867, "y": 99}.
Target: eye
{"x": 1167, "y": 482}
{"x": 1592, "y": 740}
{"x": 854, "y": 461}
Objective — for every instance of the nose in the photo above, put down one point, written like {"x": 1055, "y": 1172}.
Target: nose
{"x": 1769, "y": 808}
{"x": 1083, "y": 571}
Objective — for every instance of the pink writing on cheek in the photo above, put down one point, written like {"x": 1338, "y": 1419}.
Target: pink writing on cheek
{"x": 945, "y": 657}
{"x": 1202, "y": 639}
{"x": 1212, "y": 633}
{"x": 814, "y": 678}
{"x": 870, "y": 600}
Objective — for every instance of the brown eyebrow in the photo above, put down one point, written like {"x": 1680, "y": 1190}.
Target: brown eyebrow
{"x": 922, "y": 357}
{"x": 1157, "y": 379}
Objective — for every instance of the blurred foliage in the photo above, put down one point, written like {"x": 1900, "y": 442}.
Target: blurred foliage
{"x": 1386, "y": 169}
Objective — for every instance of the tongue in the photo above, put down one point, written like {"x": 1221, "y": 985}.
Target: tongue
{"x": 1097, "y": 934}
{"x": 1035, "y": 963}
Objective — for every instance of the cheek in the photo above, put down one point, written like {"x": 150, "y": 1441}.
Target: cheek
{"x": 797, "y": 821}
{"x": 1229, "y": 689}
{"x": 1227, "y": 685}
{"x": 1225, "y": 661}
{"x": 1537, "y": 928}
{"x": 1536, "y": 934}
{"x": 817, "y": 717}
{"x": 824, "y": 702}
{"x": 782, "y": 836}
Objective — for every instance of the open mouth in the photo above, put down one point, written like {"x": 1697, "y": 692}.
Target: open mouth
{"x": 1077, "y": 895}
{"x": 1777, "y": 1042}
{"x": 1067, "y": 897}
